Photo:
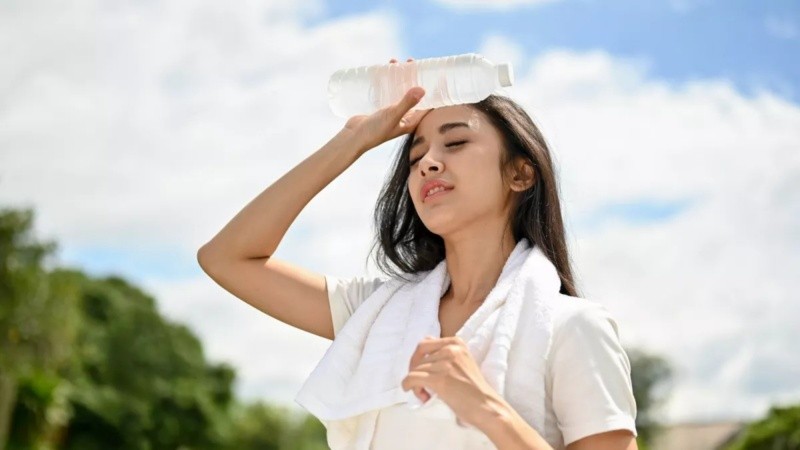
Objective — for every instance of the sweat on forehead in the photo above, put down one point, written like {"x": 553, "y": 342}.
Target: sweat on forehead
{"x": 453, "y": 113}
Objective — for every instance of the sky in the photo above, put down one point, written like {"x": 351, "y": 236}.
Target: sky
{"x": 137, "y": 129}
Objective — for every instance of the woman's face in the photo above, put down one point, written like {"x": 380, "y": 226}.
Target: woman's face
{"x": 465, "y": 156}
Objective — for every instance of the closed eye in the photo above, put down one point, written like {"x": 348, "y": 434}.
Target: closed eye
{"x": 452, "y": 144}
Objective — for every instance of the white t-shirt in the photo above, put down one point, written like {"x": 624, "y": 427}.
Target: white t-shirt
{"x": 588, "y": 381}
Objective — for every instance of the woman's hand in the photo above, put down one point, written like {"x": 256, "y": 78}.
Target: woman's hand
{"x": 387, "y": 123}
{"x": 446, "y": 366}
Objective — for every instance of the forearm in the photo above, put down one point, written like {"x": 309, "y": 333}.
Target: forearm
{"x": 508, "y": 430}
{"x": 257, "y": 230}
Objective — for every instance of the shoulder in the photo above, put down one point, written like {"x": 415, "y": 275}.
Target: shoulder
{"x": 586, "y": 339}
{"x": 361, "y": 284}
{"x": 577, "y": 318}
{"x": 352, "y": 291}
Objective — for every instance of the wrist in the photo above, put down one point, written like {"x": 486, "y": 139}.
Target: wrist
{"x": 494, "y": 415}
{"x": 348, "y": 139}
{"x": 507, "y": 429}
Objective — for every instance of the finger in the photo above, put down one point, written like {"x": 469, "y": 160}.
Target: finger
{"x": 417, "y": 380}
{"x": 417, "y": 356}
{"x": 432, "y": 362}
{"x": 429, "y": 349}
{"x": 413, "y": 118}
{"x": 411, "y": 98}
{"x": 433, "y": 367}
{"x": 425, "y": 347}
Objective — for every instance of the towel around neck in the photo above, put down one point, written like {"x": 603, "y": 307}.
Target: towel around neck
{"x": 362, "y": 370}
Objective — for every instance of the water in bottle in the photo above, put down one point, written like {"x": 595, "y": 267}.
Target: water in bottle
{"x": 448, "y": 80}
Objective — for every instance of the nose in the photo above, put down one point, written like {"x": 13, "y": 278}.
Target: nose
{"x": 430, "y": 164}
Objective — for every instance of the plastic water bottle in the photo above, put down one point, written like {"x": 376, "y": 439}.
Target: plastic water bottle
{"x": 448, "y": 80}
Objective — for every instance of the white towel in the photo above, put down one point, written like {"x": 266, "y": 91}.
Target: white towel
{"x": 362, "y": 370}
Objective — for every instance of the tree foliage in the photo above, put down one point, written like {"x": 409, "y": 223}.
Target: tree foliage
{"x": 89, "y": 363}
{"x": 37, "y": 322}
{"x": 780, "y": 429}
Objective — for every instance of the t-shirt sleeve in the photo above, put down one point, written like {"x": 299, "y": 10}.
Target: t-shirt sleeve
{"x": 591, "y": 375}
{"x": 347, "y": 294}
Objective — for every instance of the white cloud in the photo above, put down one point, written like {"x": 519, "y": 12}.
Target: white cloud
{"x": 134, "y": 124}
{"x": 151, "y": 105}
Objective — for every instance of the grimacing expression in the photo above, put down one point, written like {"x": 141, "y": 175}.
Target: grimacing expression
{"x": 458, "y": 145}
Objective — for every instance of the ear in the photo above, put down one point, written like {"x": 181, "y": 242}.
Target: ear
{"x": 524, "y": 175}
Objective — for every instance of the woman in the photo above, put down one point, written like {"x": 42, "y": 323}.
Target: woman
{"x": 495, "y": 191}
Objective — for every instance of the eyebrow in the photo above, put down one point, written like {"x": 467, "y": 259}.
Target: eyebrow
{"x": 442, "y": 130}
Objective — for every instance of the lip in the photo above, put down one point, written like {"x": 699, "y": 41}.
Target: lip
{"x": 432, "y": 184}
{"x": 436, "y": 195}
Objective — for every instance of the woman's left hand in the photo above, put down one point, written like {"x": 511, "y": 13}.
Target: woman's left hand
{"x": 446, "y": 366}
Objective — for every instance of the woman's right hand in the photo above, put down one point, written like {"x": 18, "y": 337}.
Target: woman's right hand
{"x": 387, "y": 123}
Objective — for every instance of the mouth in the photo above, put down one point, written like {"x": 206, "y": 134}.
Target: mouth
{"x": 437, "y": 194}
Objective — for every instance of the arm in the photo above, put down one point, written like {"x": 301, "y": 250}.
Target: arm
{"x": 508, "y": 431}
{"x": 256, "y": 230}
{"x": 239, "y": 258}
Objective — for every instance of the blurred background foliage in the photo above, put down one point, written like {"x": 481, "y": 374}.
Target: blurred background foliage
{"x": 89, "y": 363}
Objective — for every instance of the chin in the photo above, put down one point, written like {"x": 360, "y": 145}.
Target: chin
{"x": 441, "y": 225}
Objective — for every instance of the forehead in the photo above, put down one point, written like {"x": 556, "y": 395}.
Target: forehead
{"x": 431, "y": 122}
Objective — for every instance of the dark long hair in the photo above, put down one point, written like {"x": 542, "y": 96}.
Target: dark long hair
{"x": 406, "y": 246}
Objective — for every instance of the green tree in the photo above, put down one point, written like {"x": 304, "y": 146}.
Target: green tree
{"x": 140, "y": 381}
{"x": 308, "y": 434}
{"x": 261, "y": 426}
{"x": 780, "y": 429}
{"x": 89, "y": 363}
{"x": 36, "y": 320}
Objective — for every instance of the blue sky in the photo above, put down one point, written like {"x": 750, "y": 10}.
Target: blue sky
{"x": 751, "y": 43}
{"x": 638, "y": 212}
{"x": 136, "y": 263}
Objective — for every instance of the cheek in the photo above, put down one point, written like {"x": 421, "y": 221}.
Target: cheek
{"x": 484, "y": 187}
{"x": 478, "y": 195}
{"x": 412, "y": 188}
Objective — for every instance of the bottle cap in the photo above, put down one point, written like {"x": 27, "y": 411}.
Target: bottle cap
{"x": 506, "y": 74}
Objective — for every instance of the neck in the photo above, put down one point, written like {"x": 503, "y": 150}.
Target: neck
{"x": 475, "y": 265}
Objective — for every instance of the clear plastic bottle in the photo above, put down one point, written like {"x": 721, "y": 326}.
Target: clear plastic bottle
{"x": 448, "y": 80}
